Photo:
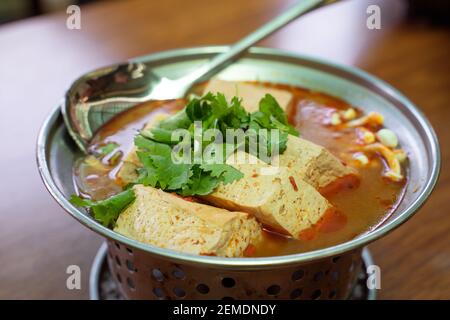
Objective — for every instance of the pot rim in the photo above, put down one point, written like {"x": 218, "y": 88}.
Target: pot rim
{"x": 259, "y": 262}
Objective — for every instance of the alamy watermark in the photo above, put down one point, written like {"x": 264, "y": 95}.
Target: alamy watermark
{"x": 373, "y": 277}
{"x": 73, "y": 21}
{"x": 373, "y": 21}
{"x": 73, "y": 281}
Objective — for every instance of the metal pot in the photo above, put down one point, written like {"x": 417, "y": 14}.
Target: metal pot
{"x": 147, "y": 272}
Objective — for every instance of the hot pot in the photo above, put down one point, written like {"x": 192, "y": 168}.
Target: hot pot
{"x": 146, "y": 272}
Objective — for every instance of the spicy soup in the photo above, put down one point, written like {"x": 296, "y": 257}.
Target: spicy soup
{"x": 363, "y": 208}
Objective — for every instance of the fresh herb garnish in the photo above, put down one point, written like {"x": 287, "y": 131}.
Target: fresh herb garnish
{"x": 158, "y": 169}
{"x": 186, "y": 179}
{"x": 271, "y": 116}
{"x": 215, "y": 112}
{"x": 106, "y": 211}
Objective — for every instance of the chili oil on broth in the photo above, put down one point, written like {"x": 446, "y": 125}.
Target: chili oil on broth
{"x": 364, "y": 207}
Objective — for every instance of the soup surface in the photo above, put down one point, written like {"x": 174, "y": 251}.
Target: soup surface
{"x": 364, "y": 207}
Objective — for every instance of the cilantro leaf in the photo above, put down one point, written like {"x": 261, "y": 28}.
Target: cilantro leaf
{"x": 159, "y": 170}
{"x": 270, "y": 107}
{"x": 179, "y": 120}
{"x": 225, "y": 172}
{"x": 270, "y": 115}
{"x": 106, "y": 211}
{"x": 159, "y": 134}
{"x": 199, "y": 109}
{"x": 199, "y": 183}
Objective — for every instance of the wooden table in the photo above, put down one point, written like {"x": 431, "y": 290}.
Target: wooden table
{"x": 40, "y": 57}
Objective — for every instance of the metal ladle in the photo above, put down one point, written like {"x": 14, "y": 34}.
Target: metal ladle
{"x": 84, "y": 118}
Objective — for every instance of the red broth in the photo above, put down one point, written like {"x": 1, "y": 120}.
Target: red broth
{"x": 359, "y": 209}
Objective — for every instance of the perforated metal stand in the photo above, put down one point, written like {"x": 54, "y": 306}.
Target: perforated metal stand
{"x": 103, "y": 287}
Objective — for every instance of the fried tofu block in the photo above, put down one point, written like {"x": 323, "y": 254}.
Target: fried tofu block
{"x": 168, "y": 221}
{"x": 281, "y": 201}
{"x": 127, "y": 172}
{"x": 315, "y": 165}
{"x": 251, "y": 94}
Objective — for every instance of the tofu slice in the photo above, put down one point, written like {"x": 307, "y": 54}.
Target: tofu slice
{"x": 251, "y": 94}
{"x": 168, "y": 221}
{"x": 127, "y": 172}
{"x": 315, "y": 165}
{"x": 281, "y": 201}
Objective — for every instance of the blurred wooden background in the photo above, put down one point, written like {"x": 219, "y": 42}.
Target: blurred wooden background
{"x": 40, "y": 57}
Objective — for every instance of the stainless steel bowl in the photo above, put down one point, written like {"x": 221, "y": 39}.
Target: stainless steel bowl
{"x": 145, "y": 271}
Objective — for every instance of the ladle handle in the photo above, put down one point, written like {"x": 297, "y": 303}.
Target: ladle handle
{"x": 222, "y": 60}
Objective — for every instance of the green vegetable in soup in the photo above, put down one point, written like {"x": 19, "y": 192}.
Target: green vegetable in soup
{"x": 106, "y": 211}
